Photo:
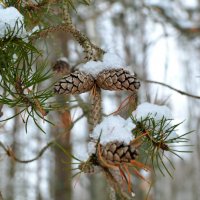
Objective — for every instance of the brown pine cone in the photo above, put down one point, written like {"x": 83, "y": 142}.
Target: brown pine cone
{"x": 116, "y": 152}
{"x": 74, "y": 83}
{"x": 117, "y": 79}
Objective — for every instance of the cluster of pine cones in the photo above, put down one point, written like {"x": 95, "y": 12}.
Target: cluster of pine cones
{"x": 110, "y": 79}
{"x": 113, "y": 79}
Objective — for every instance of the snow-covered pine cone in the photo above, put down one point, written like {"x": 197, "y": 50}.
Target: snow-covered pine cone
{"x": 74, "y": 83}
{"x": 117, "y": 79}
{"x": 116, "y": 152}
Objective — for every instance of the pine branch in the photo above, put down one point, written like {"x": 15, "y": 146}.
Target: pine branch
{"x": 96, "y": 115}
{"x": 92, "y": 51}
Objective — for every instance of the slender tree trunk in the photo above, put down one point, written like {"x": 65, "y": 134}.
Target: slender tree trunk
{"x": 63, "y": 171}
{"x": 62, "y": 184}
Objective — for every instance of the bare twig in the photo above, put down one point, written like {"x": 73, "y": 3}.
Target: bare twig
{"x": 11, "y": 154}
{"x": 92, "y": 51}
{"x": 172, "y": 88}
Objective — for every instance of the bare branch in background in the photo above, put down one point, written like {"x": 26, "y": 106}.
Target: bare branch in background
{"x": 172, "y": 88}
{"x": 11, "y": 154}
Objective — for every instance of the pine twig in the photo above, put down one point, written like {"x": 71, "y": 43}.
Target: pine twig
{"x": 95, "y": 114}
{"x": 92, "y": 51}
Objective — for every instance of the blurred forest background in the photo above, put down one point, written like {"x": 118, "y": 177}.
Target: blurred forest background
{"x": 160, "y": 41}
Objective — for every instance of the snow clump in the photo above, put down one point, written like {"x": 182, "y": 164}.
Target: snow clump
{"x": 114, "y": 128}
{"x": 11, "y": 20}
{"x": 110, "y": 61}
{"x": 156, "y": 112}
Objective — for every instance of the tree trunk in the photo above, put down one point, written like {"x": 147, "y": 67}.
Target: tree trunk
{"x": 63, "y": 175}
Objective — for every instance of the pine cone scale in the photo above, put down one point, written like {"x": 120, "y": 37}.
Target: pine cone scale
{"x": 116, "y": 157}
{"x": 64, "y": 85}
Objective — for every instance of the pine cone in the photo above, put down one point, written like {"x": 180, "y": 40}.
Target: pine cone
{"x": 116, "y": 152}
{"x": 74, "y": 83}
{"x": 117, "y": 79}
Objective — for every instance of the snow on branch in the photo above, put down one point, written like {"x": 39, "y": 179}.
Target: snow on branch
{"x": 109, "y": 61}
{"x": 155, "y": 117}
{"x": 113, "y": 128}
{"x": 155, "y": 111}
{"x": 11, "y": 21}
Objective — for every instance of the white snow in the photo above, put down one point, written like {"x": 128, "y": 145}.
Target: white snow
{"x": 152, "y": 110}
{"x": 12, "y": 20}
{"x": 110, "y": 61}
{"x": 34, "y": 30}
{"x": 114, "y": 128}
{"x": 91, "y": 147}
{"x": 155, "y": 111}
